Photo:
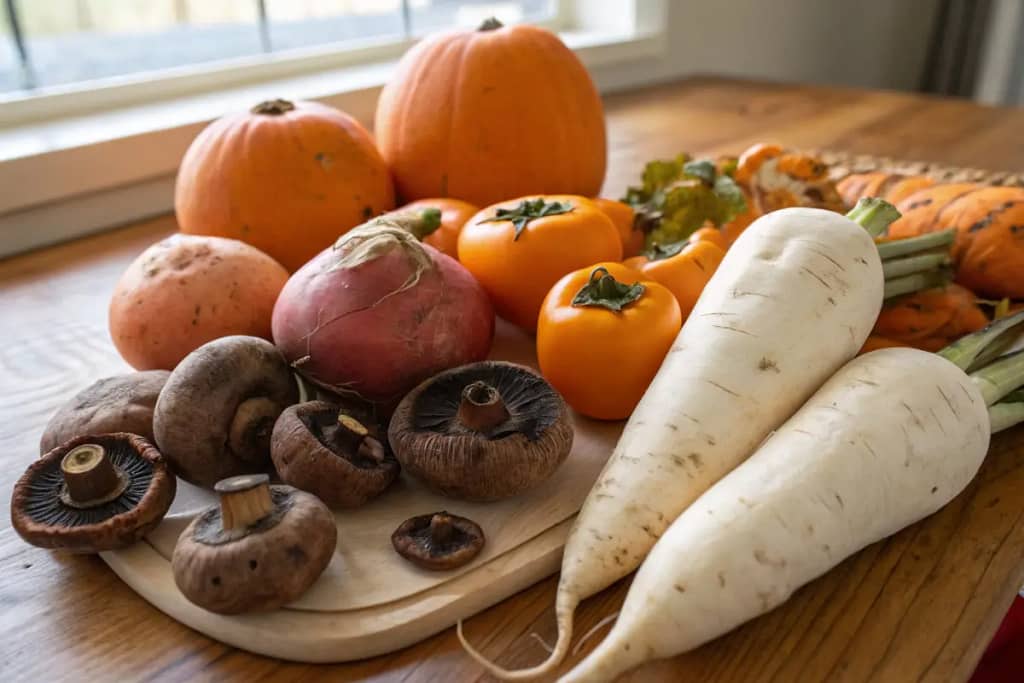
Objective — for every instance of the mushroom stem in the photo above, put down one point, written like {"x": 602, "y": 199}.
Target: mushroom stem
{"x": 352, "y": 437}
{"x": 441, "y": 529}
{"x": 244, "y": 500}
{"x": 350, "y": 433}
{"x": 481, "y": 408}
{"x": 90, "y": 477}
{"x": 252, "y": 426}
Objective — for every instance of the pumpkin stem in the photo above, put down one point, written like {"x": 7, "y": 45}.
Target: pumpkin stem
{"x": 490, "y": 24}
{"x": 273, "y": 107}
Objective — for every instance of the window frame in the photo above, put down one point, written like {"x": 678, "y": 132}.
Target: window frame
{"x": 111, "y": 157}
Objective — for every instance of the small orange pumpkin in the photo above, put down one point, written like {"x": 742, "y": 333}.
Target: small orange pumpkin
{"x": 288, "y": 178}
{"x": 490, "y": 114}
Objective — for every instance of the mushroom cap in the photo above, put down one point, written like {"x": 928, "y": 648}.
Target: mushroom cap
{"x": 517, "y": 454}
{"x": 307, "y": 458}
{"x": 414, "y": 541}
{"x": 41, "y": 518}
{"x": 196, "y": 413}
{"x": 270, "y": 564}
{"x": 122, "y": 403}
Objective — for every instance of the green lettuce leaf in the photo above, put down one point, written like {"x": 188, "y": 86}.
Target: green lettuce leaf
{"x": 676, "y": 197}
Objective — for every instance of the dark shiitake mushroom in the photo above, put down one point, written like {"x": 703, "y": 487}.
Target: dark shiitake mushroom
{"x": 123, "y": 403}
{"x": 93, "y": 493}
{"x": 438, "y": 541}
{"x": 482, "y": 432}
{"x": 321, "y": 448}
{"x": 215, "y": 415}
{"x": 262, "y": 548}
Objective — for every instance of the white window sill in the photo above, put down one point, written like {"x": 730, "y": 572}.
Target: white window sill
{"x": 71, "y": 176}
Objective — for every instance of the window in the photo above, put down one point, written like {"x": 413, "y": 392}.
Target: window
{"x": 100, "y": 98}
{"x": 59, "y": 43}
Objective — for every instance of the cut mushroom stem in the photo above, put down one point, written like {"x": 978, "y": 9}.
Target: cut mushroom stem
{"x": 252, "y": 425}
{"x": 441, "y": 529}
{"x": 481, "y": 408}
{"x": 244, "y": 500}
{"x": 352, "y": 436}
{"x": 90, "y": 479}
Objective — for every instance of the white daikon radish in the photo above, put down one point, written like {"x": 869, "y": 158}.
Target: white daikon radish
{"x": 889, "y": 439}
{"x": 794, "y": 299}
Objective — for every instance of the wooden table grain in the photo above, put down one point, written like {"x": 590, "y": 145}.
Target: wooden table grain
{"x": 919, "y": 606}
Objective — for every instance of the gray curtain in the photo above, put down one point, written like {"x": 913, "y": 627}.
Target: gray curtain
{"x": 955, "y": 49}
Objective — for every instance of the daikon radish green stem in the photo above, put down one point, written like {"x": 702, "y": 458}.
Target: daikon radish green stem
{"x": 966, "y": 352}
{"x": 1000, "y": 377}
{"x": 874, "y": 215}
{"x": 912, "y": 245}
{"x": 908, "y": 284}
{"x": 914, "y": 264}
{"x": 795, "y": 298}
{"x": 1008, "y": 412}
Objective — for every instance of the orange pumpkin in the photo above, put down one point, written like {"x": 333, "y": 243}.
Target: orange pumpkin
{"x": 288, "y": 178}
{"x": 490, "y": 114}
{"x": 454, "y": 214}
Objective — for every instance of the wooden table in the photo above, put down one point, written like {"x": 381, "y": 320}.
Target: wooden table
{"x": 921, "y": 605}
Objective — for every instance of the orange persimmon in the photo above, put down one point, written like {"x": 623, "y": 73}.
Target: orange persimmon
{"x": 683, "y": 268}
{"x": 710, "y": 234}
{"x": 454, "y": 214}
{"x": 518, "y": 249}
{"x": 623, "y": 216}
{"x": 602, "y": 335}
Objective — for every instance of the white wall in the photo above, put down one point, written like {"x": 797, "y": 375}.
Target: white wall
{"x": 870, "y": 43}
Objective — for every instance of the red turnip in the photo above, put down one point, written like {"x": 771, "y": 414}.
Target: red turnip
{"x": 379, "y": 312}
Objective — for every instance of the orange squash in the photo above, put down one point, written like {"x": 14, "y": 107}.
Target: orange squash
{"x": 490, "y": 114}
{"x": 989, "y": 247}
{"x": 892, "y": 187}
{"x": 288, "y": 178}
{"x": 922, "y": 211}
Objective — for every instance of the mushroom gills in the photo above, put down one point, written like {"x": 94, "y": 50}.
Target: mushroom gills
{"x": 438, "y": 540}
{"x": 529, "y": 403}
{"x": 51, "y": 501}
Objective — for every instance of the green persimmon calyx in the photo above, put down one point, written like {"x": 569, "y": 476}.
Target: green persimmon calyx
{"x": 528, "y": 210}
{"x": 660, "y": 252}
{"x": 605, "y": 291}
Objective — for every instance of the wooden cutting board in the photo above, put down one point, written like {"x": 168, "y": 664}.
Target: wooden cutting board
{"x": 370, "y": 601}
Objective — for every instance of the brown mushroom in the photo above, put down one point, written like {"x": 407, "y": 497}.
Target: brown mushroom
{"x": 263, "y": 547}
{"x": 215, "y": 415}
{"x": 482, "y": 432}
{"x": 438, "y": 541}
{"x": 321, "y": 448}
{"x": 93, "y": 493}
{"x": 123, "y": 403}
